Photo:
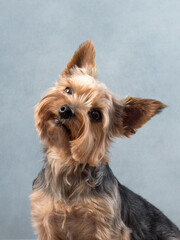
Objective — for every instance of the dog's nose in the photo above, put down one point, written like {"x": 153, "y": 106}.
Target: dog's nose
{"x": 65, "y": 112}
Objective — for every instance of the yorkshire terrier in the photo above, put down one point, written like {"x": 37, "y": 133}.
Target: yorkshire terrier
{"x": 75, "y": 195}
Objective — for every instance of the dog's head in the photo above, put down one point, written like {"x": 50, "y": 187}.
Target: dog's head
{"x": 83, "y": 116}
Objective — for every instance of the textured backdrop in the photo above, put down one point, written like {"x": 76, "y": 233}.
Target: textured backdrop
{"x": 138, "y": 52}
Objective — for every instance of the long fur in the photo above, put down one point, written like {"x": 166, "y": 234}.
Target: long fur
{"x": 75, "y": 195}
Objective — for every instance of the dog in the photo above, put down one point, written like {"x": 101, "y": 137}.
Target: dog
{"x": 75, "y": 195}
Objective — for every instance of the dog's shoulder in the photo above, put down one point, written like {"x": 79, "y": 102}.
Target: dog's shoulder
{"x": 145, "y": 220}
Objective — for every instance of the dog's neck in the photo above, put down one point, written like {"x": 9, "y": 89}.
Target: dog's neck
{"x": 69, "y": 179}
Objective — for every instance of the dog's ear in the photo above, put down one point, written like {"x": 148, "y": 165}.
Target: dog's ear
{"x": 132, "y": 113}
{"x": 82, "y": 58}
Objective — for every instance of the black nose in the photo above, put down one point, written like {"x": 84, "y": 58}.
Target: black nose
{"x": 65, "y": 112}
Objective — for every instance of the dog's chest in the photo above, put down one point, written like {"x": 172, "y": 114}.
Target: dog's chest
{"x": 87, "y": 220}
{"x": 76, "y": 220}
{"x": 80, "y": 220}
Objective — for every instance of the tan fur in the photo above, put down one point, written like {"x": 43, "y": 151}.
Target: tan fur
{"x": 87, "y": 219}
{"x": 63, "y": 204}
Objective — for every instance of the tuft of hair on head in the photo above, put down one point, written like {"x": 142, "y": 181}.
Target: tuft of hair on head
{"x": 132, "y": 113}
{"x": 84, "y": 57}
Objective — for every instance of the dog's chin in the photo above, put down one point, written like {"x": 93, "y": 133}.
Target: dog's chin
{"x": 64, "y": 128}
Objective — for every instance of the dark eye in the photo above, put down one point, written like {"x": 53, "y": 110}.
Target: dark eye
{"x": 68, "y": 90}
{"x": 95, "y": 115}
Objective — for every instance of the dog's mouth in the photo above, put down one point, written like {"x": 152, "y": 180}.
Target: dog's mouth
{"x": 61, "y": 124}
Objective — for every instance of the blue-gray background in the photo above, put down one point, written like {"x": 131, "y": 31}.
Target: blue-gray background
{"x": 138, "y": 52}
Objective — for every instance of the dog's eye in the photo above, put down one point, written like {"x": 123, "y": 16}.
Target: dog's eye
{"x": 68, "y": 90}
{"x": 95, "y": 115}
